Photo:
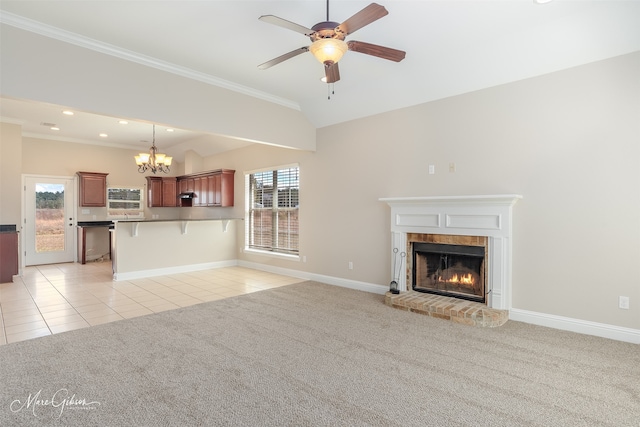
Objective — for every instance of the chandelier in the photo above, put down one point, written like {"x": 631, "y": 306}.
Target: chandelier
{"x": 154, "y": 161}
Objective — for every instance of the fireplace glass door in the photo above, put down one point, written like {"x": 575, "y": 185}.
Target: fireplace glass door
{"x": 450, "y": 270}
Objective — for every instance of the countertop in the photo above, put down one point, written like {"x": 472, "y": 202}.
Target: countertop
{"x": 95, "y": 223}
{"x": 112, "y": 223}
{"x": 176, "y": 220}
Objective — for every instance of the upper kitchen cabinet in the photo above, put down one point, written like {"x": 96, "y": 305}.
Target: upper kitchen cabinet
{"x": 93, "y": 189}
{"x": 223, "y": 188}
{"x": 162, "y": 192}
{"x": 212, "y": 188}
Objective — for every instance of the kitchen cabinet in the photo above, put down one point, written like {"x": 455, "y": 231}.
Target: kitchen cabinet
{"x": 200, "y": 190}
{"x": 213, "y": 188}
{"x": 162, "y": 191}
{"x": 169, "y": 192}
{"x": 91, "y": 226}
{"x": 213, "y": 182}
{"x": 224, "y": 188}
{"x": 93, "y": 189}
{"x": 185, "y": 185}
{"x": 8, "y": 255}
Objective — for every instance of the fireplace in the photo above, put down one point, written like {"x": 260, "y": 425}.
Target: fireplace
{"x": 483, "y": 221}
{"x": 451, "y": 270}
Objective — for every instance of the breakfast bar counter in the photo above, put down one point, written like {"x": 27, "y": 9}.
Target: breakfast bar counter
{"x": 160, "y": 247}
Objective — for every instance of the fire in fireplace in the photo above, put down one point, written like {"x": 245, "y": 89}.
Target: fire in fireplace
{"x": 451, "y": 270}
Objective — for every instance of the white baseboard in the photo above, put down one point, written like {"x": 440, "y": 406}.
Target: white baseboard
{"x": 586, "y": 327}
{"x": 603, "y": 330}
{"x": 172, "y": 270}
{"x": 336, "y": 281}
{"x": 557, "y": 322}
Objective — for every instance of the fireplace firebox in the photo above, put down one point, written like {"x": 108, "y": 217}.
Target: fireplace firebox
{"x": 450, "y": 270}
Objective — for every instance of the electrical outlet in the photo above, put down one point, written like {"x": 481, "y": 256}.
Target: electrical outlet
{"x": 350, "y": 265}
{"x": 304, "y": 258}
{"x": 432, "y": 169}
{"x": 623, "y": 302}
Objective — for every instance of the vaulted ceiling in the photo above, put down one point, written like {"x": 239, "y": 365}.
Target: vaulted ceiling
{"x": 452, "y": 47}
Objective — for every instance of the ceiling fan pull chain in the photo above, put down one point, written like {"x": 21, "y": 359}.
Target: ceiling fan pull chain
{"x": 330, "y": 90}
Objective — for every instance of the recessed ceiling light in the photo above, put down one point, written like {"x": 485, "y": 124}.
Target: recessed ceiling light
{"x": 54, "y": 128}
{"x": 123, "y": 122}
{"x": 68, "y": 113}
{"x": 169, "y": 130}
{"x": 542, "y": 1}
{"x": 103, "y": 135}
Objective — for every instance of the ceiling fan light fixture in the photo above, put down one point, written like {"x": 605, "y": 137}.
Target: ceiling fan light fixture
{"x": 328, "y": 50}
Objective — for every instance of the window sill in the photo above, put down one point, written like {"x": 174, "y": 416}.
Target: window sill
{"x": 272, "y": 254}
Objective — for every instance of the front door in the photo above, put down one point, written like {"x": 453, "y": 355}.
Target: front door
{"x": 49, "y": 226}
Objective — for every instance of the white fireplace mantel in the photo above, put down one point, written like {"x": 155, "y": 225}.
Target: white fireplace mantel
{"x": 484, "y": 215}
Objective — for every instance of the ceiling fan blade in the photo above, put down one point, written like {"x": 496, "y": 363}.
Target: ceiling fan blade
{"x": 332, "y": 72}
{"x": 283, "y": 58}
{"x": 375, "y": 50}
{"x": 366, "y": 16}
{"x": 271, "y": 19}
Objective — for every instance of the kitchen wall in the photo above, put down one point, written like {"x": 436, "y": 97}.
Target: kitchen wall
{"x": 568, "y": 142}
{"x": 59, "y": 158}
{"x": 10, "y": 165}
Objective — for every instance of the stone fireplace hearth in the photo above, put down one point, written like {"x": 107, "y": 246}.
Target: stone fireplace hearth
{"x": 486, "y": 217}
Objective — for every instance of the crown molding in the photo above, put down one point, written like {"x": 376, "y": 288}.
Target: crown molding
{"x": 128, "y": 55}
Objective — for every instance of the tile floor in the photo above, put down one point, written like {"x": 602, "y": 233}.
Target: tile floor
{"x": 49, "y": 299}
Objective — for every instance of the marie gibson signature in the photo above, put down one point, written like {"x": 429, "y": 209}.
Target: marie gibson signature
{"x": 60, "y": 400}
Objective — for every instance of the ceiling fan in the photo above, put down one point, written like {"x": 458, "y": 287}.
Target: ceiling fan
{"x": 328, "y": 40}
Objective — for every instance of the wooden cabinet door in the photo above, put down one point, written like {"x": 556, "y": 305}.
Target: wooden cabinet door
{"x": 183, "y": 186}
{"x": 154, "y": 192}
{"x": 169, "y": 192}
{"x": 204, "y": 191}
{"x": 9, "y": 258}
{"x": 190, "y": 185}
{"x": 197, "y": 189}
{"x": 226, "y": 188}
{"x": 93, "y": 189}
{"x": 213, "y": 182}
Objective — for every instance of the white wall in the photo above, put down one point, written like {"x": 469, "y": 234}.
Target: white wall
{"x": 569, "y": 142}
{"x": 10, "y": 166}
{"x": 39, "y": 68}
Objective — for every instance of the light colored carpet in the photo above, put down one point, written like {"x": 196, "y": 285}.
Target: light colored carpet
{"x": 311, "y": 354}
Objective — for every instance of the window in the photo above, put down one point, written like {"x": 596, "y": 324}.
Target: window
{"x": 272, "y": 210}
{"x": 123, "y": 202}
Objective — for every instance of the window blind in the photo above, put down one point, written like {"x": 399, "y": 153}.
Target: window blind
{"x": 273, "y": 221}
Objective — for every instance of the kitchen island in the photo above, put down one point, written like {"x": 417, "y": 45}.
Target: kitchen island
{"x": 160, "y": 247}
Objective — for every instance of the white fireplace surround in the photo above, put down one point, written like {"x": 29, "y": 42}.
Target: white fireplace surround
{"x": 485, "y": 215}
